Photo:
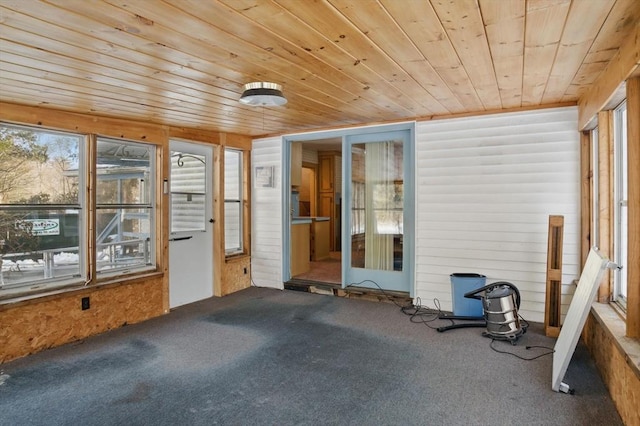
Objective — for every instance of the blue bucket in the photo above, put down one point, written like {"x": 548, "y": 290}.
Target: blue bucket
{"x": 462, "y": 283}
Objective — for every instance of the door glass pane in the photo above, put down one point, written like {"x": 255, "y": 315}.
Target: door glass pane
{"x": 377, "y": 205}
{"x": 188, "y": 187}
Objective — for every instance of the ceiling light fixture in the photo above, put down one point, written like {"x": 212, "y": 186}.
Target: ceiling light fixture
{"x": 262, "y": 93}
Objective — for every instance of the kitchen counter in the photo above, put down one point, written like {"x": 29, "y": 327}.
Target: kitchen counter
{"x": 308, "y": 219}
{"x": 300, "y": 220}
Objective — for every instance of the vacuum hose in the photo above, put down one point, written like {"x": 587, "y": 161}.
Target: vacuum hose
{"x": 475, "y": 294}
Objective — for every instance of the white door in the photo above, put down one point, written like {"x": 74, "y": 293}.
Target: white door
{"x": 190, "y": 223}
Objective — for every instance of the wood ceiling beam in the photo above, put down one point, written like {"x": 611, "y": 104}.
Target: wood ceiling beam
{"x": 605, "y": 90}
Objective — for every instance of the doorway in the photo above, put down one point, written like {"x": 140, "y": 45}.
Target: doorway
{"x": 365, "y": 187}
{"x": 314, "y": 227}
{"x": 191, "y": 223}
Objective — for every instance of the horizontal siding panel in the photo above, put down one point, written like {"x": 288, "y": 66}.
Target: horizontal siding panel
{"x": 460, "y": 170}
{"x": 495, "y": 146}
{"x": 515, "y": 158}
{"x": 266, "y": 217}
{"x": 469, "y": 215}
{"x": 508, "y": 120}
{"x": 485, "y": 189}
{"x": 542, "y": 209}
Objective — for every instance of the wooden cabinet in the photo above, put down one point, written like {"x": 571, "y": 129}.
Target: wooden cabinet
{"x": 326, "y": 172}
{"x": 296, "y": 164}
{"x": 300, "y": 237}
{"x": 328, "y": 201}
{"x": 320, "y": 239}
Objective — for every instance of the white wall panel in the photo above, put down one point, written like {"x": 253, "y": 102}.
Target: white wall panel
{"x": 486, "y": 186}
{"x": 266, "y": 216}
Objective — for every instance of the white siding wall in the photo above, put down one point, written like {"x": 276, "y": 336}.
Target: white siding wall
{"x": 486, "y": 186}
{"x": 266, "y": 216}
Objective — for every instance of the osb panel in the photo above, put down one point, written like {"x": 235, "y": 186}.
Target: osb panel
{"x": 622, "y": 382}
{"x": 35, "y": 326}
{"x": 234, "y": 277}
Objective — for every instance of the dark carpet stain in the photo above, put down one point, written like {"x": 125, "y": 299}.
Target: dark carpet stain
{"x": 127, "y": 355}
{"x": 140, "y": 393}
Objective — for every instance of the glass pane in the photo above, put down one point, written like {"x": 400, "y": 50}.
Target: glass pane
{"x": 187, "y": 212}
{"x": 38, "y": 167}
{"x": 123, "y": 238}
{"x": 188, "y": 173}
{"x": 232, "y": 227}
{"x": 188, "y": 187}
{"x": 232, "y": 201}
{"x": 39, "y": 245}
{"x": 377, "y": 205}
{"x": 232, "y": 174}
{"x": 621, "y": 202}
{"x": 123, "y": 172}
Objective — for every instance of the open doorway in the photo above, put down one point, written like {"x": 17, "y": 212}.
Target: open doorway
{"x": 316, "y": 185}
{"x": 363, "y": 210}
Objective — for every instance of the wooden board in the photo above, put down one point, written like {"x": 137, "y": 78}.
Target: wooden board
{"x": 576, "y": 317}
{"x": 554, "y": 276}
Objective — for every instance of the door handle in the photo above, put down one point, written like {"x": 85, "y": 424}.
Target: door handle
{"x": 181, "y": 238}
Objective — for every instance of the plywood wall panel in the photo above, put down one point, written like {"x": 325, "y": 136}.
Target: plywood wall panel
{"x": 621, "y": 380}
{"x": 236, "y": 275}
{"x": 44, "y": 323}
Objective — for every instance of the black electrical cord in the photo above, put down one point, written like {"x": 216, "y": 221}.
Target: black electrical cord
{"x": 424, "y": 315}
{"x": 551, "y": 350}
{"x": 417, "y": 313}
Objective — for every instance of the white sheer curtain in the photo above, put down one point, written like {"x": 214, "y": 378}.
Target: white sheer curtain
{"x": 379, "y": 179}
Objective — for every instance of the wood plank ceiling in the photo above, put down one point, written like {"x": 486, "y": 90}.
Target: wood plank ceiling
{"x": 340, "y": 62}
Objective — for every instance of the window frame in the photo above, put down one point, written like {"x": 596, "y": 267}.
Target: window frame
{"x": 47, "y": 283}
{"x": 620, "y": 203}
{"x": 239, "y": 201}
{"x": 87, "y": 208}
{"x": 595, "y": 190}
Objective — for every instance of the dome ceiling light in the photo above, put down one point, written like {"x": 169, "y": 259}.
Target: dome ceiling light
{"x": 262, "y": 93}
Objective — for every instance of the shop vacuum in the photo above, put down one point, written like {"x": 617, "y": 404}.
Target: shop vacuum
{"x": 500, "y": 304}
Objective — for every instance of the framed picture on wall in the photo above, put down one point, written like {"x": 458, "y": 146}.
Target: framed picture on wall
{"x": 264, "y": 177}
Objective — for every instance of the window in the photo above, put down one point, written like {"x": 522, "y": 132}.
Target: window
{"x": 620, "y": 204}
{"x": 124, "y": 205}
{"x": 42, "y": 210}
{"x": 595, "y": 192}
{"x": 233, "y": 206}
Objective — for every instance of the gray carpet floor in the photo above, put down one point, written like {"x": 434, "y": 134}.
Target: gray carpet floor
{"x": 270, "y": 357}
